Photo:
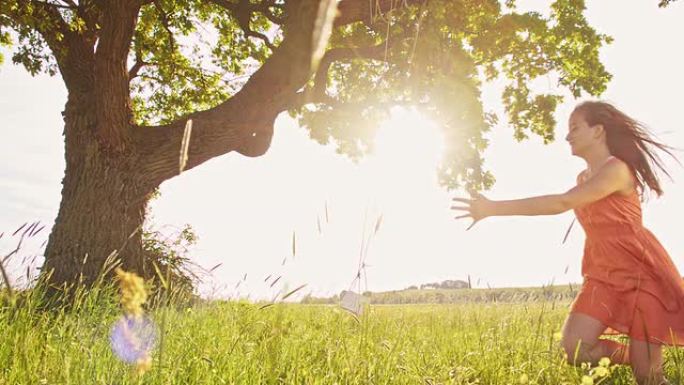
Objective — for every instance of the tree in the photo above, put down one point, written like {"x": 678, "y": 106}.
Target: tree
{"x": 665, "y": 3}
{"x": 137, "y": 70}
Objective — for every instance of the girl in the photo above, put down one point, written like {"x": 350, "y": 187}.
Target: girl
{"x": 631, "y": 285}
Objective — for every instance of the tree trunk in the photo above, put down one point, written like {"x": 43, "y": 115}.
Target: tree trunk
{"x": 103, "y": 204}
{"x": 112, "y": 166}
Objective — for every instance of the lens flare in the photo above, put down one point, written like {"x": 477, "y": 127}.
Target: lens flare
{"x": 133, "y": 338}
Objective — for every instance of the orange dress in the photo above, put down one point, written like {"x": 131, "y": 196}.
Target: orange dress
{"x": 630, "y": 283}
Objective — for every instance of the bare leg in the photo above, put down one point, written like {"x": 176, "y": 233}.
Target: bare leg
{"x": 581, "y": 341}
{"x": 647, "y": 362}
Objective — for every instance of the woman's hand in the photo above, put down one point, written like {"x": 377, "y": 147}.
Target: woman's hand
{"x": 477, "y": 207}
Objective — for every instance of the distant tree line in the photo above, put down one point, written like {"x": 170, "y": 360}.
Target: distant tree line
{"x": 437, "y": 294}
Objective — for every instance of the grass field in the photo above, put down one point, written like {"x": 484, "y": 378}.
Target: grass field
{"x": 562, "y": 293}
{"x": 239, "y": 343}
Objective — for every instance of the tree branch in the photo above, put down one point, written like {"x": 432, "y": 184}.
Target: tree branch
{"x": 261, "y": 36}
{"x": 71, "y": 50}
{"x": 318, "y": 92}
{"x": 242, "y": 12}
{"x": 111, "y": 75}
{"x": 49, "y": 23}
{"x": 133, "y": 72}
{"x": 665, "y": 3}
{"x": 165, "y": 23}
{"x": 244, "y": 123}
{"x": 352, "y": 11}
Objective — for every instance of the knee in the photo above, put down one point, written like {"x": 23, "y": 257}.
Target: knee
{"x": 575, "y": 350}
{"x": 570, "y": 349}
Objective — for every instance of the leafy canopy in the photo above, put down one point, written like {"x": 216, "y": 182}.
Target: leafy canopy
{"x": 191, "y": 55}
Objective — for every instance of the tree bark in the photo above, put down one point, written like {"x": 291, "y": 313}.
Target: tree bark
{"x": 112, "y": 166}
{"x": 103, "y": 203}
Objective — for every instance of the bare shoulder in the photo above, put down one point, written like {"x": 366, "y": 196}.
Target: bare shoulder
{"x": 609, "y": 178}
{"x": 617, "y": 169}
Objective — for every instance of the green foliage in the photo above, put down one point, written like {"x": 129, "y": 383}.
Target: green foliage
{"x": 5, "y": 41}
{"x": 167, "y": 260}
{"x": 194, "y": 54}
{"x": 27, "y": 22}
{"x": 235, "y": 342}
{"x": 437, "y": 56}
{"x": 196, "y": 59}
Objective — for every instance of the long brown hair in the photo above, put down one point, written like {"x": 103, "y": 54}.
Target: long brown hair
{"x": 630, "y": 141}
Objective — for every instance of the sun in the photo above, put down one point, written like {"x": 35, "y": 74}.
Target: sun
{"x": 409, "y": 141}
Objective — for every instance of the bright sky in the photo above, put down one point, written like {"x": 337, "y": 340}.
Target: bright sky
{"x": 246, "y": 210}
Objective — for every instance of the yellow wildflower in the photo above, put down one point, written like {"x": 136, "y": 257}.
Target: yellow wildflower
{"x": 586, "y": 380}
{"x": 126, "y": 337}
{"x": 600, "y": 371}
{"x": 133, "y": 293}
{"x": 143, "y": 364}
{"x": 605, "y": 362}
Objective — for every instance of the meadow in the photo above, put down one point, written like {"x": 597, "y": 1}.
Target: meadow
{"x": 237, "y": 342}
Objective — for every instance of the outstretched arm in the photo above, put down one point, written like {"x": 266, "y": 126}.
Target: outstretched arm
{"x": 614, "y": 176}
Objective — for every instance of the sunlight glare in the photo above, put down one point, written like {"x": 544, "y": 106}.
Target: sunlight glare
{"x": 409, "y": 142}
